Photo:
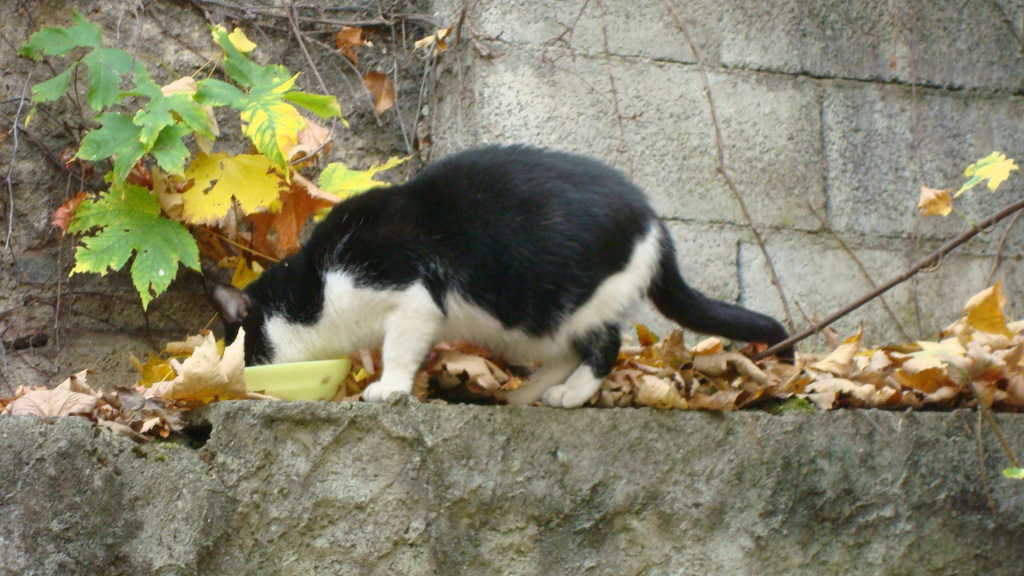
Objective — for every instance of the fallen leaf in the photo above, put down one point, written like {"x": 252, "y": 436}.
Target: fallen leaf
{"x": 720, "y": 401}
{"x": 185, "y": 84}
{"x": 985, "y": 311}
{"x": 153, "y": 370}
{"x": 708, "y": 346}
{"x": 63, "y": 215}
{"x": 382, "y": 89}
{"x": 840, "y": 361}
{"x": 658, "y": 393}
{"x": 311, "y": 139}
{"x": 206, "y": 376}
{"x": 63, "y": 400}
{"x": 718, "y": 365}
{"x": 347, "y": 40}
{"x": 435, "y": 41}
{"x": 245, "y": 272}
{"x": 644, "y": 336}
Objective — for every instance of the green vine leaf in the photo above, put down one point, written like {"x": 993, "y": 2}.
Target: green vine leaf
{"x": 343, "y": 182}
{"x": 166, "y": 110}
{"x": 323, "y": 106}
{"x": 53, "y": 88}
{"x": 118, "y": 136}
{"x": 129, "y": 222}
{"x": 58, "y": 41}
{"x": 107, "y": 66}
{"x": 213, "y": 92}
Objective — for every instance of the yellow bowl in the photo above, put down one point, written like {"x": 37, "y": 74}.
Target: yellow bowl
{"x": 316, "y": 380}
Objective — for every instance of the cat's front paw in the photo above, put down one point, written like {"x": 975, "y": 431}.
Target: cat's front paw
{"x": 380, "y": 391}
{"x": 563, "y": 396}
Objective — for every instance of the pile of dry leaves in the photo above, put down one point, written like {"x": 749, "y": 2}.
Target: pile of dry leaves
{"x": 976, "y": 361}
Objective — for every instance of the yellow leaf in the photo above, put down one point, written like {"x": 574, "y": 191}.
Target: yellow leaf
{"x": 840, "y": 361}
{"x": 985, "y": 311}
{"x": 935, "y": 202}
{"x": 250, "y": 179}
{"x": 244, "y": 274}
{"x": 153, "y": 370}
{"x": 237, "y": 38}
{"x": 995, "y": 168}
{"x": 205, "y": 376}
{"x": 273, "y": 126}
{"x": 933, "y": 355}
{"x": 343, "y": 182}
{"x": 644, "y": 336}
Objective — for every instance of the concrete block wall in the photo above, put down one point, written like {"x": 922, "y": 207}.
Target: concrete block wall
{"x": 833, "y": 114}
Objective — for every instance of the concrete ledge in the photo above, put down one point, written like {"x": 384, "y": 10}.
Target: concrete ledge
{"x": 314, "y": 488}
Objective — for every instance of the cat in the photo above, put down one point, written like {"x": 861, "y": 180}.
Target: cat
{"x": 533, "y": 253}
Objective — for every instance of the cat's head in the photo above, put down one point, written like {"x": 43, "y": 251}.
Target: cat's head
{"x": 239, "y": 310}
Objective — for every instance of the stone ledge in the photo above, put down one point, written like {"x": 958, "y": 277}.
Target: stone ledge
{"x": 314, "y": 488}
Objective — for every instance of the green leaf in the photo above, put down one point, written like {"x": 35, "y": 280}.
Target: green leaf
{"x": 58, "y": 41}
{"x": 130, "y": 223}
{"x": 1014, "y": 473}
{"x": 117, "y": 136}
{"x": 169, "y": 150}
{"x": 341, "y": 181}
{"x": 243, "y": 71}
{"x": 322, "y": 106}
{"x": 106, "y": 68}
{"x": 271, "y": 123}
{"x": 54, "y": 87}
{"x": 162, "y": 111}
{"x": 214, "y": 92}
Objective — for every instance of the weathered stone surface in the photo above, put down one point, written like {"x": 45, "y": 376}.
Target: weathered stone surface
{"x": 832, "y": 116}
{"x": 315, "y": 488}
{"x": 943, "y": 43}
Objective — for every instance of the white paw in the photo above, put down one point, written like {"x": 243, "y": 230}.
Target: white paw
{"x": 380, "y": 391}
{"x": 563, "y": 396}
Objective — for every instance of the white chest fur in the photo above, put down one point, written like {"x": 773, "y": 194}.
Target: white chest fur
{"x": 356, "y": 318}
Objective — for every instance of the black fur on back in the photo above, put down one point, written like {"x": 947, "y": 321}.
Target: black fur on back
{"x": 524, "y": 233}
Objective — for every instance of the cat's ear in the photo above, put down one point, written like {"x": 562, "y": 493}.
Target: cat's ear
{"x": 232, "y": 304}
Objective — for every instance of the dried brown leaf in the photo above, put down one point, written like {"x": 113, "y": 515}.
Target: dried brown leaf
{"x": 382, "y": 89}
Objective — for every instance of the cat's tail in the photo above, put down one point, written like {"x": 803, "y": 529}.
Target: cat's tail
{"x": 675, "y": 299}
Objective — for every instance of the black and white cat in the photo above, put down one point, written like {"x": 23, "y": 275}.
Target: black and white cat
{"x": 534, "y": 254}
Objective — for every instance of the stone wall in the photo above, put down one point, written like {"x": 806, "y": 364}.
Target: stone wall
{"x": 315, "y": 488}
{"x": 832, "y": 114}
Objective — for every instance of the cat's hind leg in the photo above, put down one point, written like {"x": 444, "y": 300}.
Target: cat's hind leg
{"x": 598, "y": 350}
{"x": 409, "y": 333}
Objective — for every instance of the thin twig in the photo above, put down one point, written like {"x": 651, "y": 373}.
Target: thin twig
{"x": 929, "y": 261}
{"x": 623, "y": 145}
{"x": 997, "y": 260}
{"x": 14, "y": 155}
{"x": 293, "y": 21}
{"x": 720, "y": 159}
{"x": 863, "y": 270}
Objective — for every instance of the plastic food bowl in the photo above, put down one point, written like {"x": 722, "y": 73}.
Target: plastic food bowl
{"x": 317, "y": 380}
